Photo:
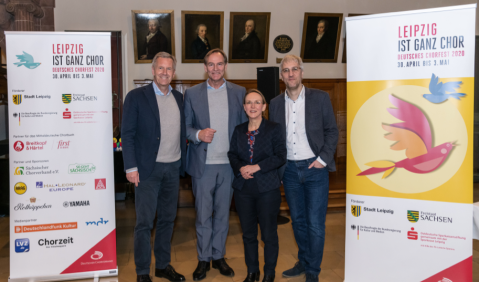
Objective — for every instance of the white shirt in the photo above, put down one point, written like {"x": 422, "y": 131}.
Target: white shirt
{"x": 319, "y": 37}
{"x": 296, "y": 139}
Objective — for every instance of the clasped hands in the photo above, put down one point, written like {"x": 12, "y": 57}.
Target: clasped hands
{"x": 247, "y": 171}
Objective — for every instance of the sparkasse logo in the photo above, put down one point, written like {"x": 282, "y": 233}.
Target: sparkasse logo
{"x": 67, "y": 114}
{"x": 412, "y": 235}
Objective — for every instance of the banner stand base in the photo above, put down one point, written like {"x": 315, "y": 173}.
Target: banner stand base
{"x": 72, "y": 276}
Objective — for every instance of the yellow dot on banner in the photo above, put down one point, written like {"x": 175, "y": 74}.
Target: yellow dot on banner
{"x": 368, "y": 144}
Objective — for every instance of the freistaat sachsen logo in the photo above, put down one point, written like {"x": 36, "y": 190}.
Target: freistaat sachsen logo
{"x": 413, "y": 216}
{"x": 67, "y": 98}
{"x": 27, "y": 61}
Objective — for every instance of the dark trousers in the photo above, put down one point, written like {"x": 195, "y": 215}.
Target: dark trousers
{"x": 252, "y": 207}
{"x": 307, "y": 191}
{"x": 157, "y": 194}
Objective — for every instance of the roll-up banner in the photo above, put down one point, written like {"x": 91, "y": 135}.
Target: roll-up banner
{"x": 62, "y": 204}
{"x": 410, "y": 101}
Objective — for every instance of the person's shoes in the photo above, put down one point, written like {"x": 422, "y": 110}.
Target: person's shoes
{"x": 251, "y": 277}
{"x": 311, "y": 277}
{"x": 297, "y": 270}
{"x": 268, "y": 278}
{"x": 200, "y": 271}
{"x": 143, "y": 278}
{"x": 223, "y": 267}
{"x": 170, "y": 274}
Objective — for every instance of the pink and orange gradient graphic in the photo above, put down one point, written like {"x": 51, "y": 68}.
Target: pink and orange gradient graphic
{"x": 414, "y": 136}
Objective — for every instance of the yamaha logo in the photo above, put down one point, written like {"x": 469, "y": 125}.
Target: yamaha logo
{"x": 67, "y": 204}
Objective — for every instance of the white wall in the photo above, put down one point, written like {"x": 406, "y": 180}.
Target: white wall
{"x": 286, "y": 18}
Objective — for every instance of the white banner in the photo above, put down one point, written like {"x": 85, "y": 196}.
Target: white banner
{"x": 62, "y": 204}
{"x": 410, "y": 146}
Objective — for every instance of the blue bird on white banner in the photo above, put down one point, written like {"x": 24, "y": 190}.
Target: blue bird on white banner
{"x": 440, "y": 92}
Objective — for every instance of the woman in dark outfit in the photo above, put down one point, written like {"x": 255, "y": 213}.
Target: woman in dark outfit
{"x": 257, "y": 150}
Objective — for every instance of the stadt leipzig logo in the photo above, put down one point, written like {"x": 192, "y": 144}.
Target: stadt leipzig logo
{"x": 67, "y": 98}
{"x": 17, "y": 99}
{"x": 27, "y": 61}
{"x": 413, "y": 216}
{"x": 356, "y": 210}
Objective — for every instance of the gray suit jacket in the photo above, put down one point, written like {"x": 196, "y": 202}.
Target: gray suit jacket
{"x": 321, "y": 128}
{"x": 197, "y": 117}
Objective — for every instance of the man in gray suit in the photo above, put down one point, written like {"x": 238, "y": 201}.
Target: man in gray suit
{"x": 309, "y": 127}
{"x": 212, "y": 111}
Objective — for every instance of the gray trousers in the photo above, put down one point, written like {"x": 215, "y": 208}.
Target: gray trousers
{"x": 157, "y": 194}
{"x": 213, "y": 193}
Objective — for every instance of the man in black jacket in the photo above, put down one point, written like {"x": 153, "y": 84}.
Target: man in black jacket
{"x": 155, "y": 41}
{"x": 308, "y": 124}
{"x": 200, "y": 46}
{"x": 249, "y": 46}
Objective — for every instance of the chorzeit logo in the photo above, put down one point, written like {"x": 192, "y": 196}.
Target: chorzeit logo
{"x": 97, "y": 255}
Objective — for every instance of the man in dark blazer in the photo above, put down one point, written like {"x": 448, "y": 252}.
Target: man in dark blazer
{"x": 200, "y": 46}
{"x": 308, "y": 123}
{"x": 212, "y": 110}
{"x": 154, "y": 151}
{"x": 249, "y": 46}
{"x": 155, "y": 41}
{"x": 323, "y": 45}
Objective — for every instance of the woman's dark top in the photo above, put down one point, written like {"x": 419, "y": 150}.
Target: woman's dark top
{"x": 269, "y": 153}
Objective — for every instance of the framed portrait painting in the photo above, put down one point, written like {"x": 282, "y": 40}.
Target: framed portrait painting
{"x": 153, "y": 32}
{"x": 202, "y": 31}
{"x": 249, "y": 37}
{"x": 321, "y": 35}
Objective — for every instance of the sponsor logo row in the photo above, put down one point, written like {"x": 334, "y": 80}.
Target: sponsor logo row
{"x": 33, "y": 205}
{"x": 412, "y": 215}
{"x": 67, "y": 114}
{"x": 41, "y": 145}
{"x": 17, "y": 99}
{"x": 21, "y": 188}
{"x": 43, "y": 169}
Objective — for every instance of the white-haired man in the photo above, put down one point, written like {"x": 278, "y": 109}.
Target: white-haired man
{"x": 155, "y": 41}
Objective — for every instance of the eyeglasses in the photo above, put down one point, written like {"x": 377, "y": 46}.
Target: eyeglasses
{"x": 295, "y": 70}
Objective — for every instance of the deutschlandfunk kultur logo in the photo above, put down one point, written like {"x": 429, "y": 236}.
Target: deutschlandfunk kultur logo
{"x": 27, "y": 61}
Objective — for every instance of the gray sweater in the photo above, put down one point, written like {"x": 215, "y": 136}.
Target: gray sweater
{"x": 217, "y": 152}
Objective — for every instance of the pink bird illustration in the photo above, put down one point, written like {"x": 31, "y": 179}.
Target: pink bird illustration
{"x": 414, "y": 136}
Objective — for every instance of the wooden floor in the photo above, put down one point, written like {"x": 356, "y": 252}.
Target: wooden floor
{"x": 184, "y": 256}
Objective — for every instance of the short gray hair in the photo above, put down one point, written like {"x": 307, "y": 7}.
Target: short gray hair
{"x": 163, "y": 55}
{"x": 198, "y": 27}
{"x": 290, "y": 57}
{"x": 156, "y": 21}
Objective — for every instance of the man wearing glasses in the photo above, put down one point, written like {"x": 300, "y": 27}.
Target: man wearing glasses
{"x": 212, "y": 109}
{"x": 309, "y": 126}
{"x": 154, "y": 152}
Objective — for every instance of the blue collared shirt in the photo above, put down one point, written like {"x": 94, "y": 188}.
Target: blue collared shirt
{"x": 209, "y": 87}
{"x": 158, "y": 91}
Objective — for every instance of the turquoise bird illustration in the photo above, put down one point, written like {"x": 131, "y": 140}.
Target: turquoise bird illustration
{"x": 440, "y": 92}
{"x": 27, "y": 61}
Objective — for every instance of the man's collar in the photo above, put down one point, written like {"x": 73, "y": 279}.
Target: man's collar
{"x": 208, "y": 86}
{"x": 301, "y": 94}
{"x": 158, "y": 91}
